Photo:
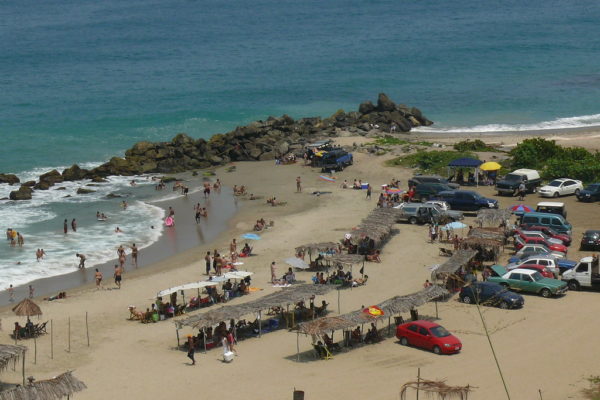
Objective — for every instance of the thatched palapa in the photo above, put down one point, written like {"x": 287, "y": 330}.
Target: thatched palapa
{"x": 440, "y": 388}
{"x": 52, "y": 389}
{"x": 377, "y": 226}
{"x": 346, "y": 260}
{"x": 493, "y": 217}
{"x": 392, "y": 306}
{"x": 280, "y": 298}
{"x": 10, "y": 353}
{"x": 460, "y": 259}
{"x": 27, "y": 308}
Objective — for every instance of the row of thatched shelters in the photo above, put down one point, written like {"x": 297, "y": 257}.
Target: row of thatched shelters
{"x": 377, "y": 226}
{"x": 458, "y": 260}
{"x": 392, "y": 306}
{"x": 10, "y": 353}
{"x": 493, "y": 217}
{"x": 280, "y": 298}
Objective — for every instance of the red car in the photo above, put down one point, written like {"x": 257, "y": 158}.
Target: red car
{"x": 428, "y": 335}
{"x": 546, "y": 273}
{"x": 521, "y": 240}
{"x": 566, "y": 239}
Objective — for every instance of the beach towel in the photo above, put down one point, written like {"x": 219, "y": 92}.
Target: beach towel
{"x": 254, "y": 289}
{"x": 327, "y": 178}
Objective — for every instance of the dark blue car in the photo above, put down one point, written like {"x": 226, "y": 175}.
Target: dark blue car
{"x": 590, "y": 193}
{"x": 466, "y": 200}
{"x": 490, "y": 294}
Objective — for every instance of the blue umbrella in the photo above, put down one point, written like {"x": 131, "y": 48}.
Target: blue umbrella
{"x": 454, "y": 225}
{"x": 251, "y": 236}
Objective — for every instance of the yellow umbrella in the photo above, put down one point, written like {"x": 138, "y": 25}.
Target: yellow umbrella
{"x": 490, "y": 166}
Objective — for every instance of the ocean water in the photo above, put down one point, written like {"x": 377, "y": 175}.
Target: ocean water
{"x": 82, "y": 81}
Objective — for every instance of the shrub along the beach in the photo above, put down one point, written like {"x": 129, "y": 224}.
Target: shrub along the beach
{"x": 429, "y": 162}
{"x": 473, "y": 145}
{"x": 554, "y": 161}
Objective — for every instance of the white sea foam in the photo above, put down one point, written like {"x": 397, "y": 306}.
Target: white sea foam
{"x": 582, "y": 121}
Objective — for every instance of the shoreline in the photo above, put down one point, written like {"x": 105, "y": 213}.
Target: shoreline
{"x": 187, "y": 235}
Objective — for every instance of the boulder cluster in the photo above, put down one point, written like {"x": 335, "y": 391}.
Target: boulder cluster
{"x": 259, "y": 140}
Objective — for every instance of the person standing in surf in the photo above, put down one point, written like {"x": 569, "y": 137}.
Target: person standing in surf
{"x": 65, "y": 226}
{"x": 74, "y": 225}
{"x": 134, "y": 255}
{"x": 117, "y": 275}
{"x": 81, "y": 260}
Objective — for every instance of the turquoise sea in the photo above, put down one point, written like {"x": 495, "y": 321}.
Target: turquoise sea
{"x": 82, "y": 81}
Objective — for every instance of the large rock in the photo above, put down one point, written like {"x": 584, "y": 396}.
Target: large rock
{"x": 24, "y": 193}
{"x": 384, "y": 103}
{"x": 74, "y": 173}
{"x": 11, "y": 179}
{"x": 29, "y": 183}
{"x": 42, "y": 185}
{"x": 50, "y": 178}
{"x": 84, "y": 191}
{"x": 366, "y": 107}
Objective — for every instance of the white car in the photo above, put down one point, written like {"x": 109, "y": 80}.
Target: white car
{"x": 440, "y": 203}
{"x": 561, "y": 187}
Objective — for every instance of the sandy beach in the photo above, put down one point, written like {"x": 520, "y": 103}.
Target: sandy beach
{"x": 537, "y": 347}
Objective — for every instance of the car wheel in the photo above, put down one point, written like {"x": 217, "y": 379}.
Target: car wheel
{"x": 437, "y": 350}
{"x": 424, "y": 198}
{"x": 555, "y": 194}
{"x": 504, "y": 285}
{"x": 574, "y": 285}
{"x": 403, "y": 341}
{"x": 504, "y": 305}
{"x": 546, "y": 293}
{"x": 466, "y": 300}
{"x": 412, "y": 220}
{"x": 577, "y": 192}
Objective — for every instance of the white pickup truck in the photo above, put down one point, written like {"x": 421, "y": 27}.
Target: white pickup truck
{"x": 584, "y": 274}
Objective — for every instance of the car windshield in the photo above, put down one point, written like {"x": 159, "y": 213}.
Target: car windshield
{"x": 439, "y": 331}
{"x": 593, "y": 188}
{"x": 512, "y": 177}
{"x": 537, "y": 276}
{"x": 554, "y": 183}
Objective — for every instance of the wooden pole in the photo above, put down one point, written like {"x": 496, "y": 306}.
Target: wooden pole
{"x": 69, "y": 335}
{"x": 418, "y": 381}
{"x": 436, "y": 310}
{"x": 34, "y": 350}
{"x": 259, "y": 323}
{"x": 23, "y": 368}
{"x": 177, "y": 332}
{"x": 204, "y": 336}
{"x": 297, "y": 346}
{"x": 339, "y": 309}
{"x": 87, "y": 329}
{"x": 51, "y": 340}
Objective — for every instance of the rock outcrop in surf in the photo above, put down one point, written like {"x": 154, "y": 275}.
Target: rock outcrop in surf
{"x": 257, "y": 141}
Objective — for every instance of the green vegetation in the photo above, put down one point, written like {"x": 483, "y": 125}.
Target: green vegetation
{"x": 592, "y": 392}
{"x": 473, "y": 145}
{"x": 554, "y": 161}
{"x": 431, "y": 162}
{"x": 389, "y": 141}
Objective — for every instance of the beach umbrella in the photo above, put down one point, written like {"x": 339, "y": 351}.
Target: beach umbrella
{"x": 27, "y": 308}
{"x": 237, "y": 274}
{"x": 394, "y": 191}
{"x": 251, "y": 236}
{"x": 327, "y": 178}
{"x": 454, "y": 225}
{"x": 297, "y": 263}
{"x": 522, "y": 208}
{"x": 490, "y": 166}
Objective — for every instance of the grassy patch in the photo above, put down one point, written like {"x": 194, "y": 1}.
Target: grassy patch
{"x": 431, "y": 162}
{"x": 473, "y": 145}
{"x": 593, "y": 391}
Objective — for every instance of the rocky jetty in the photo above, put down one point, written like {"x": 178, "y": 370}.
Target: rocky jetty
{"x": 11, "y": 179}
{"x": 257, "y": 141}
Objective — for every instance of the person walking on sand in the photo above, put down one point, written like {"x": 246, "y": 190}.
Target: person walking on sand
{"x": 117, "y": 275}
{"x": 74, "y": 225}
{"x": 191, "y": 349}
{"x": 98, "y": 276}
{"x": 369, "y": 192}
{"x": 219, "y": 264}
{"x": 30, "y": 292}
{"x": 134, "y": 255}
{"x": 81, "y": 260}
{"x": 65, "y": 226}
{"x": 122, "y": 260}
{"x": 522, "y": 189}
{"x": 233, "y": 246}
{"x": 273, "y": 272}
{"x": 298, "y": 184}
{"x": 207, "y": 260}
{"x": 11, "y": 293}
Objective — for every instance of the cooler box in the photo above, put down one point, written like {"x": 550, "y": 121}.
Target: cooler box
{"x": 365, "y": 186}
{"x": 228, "y": 356}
